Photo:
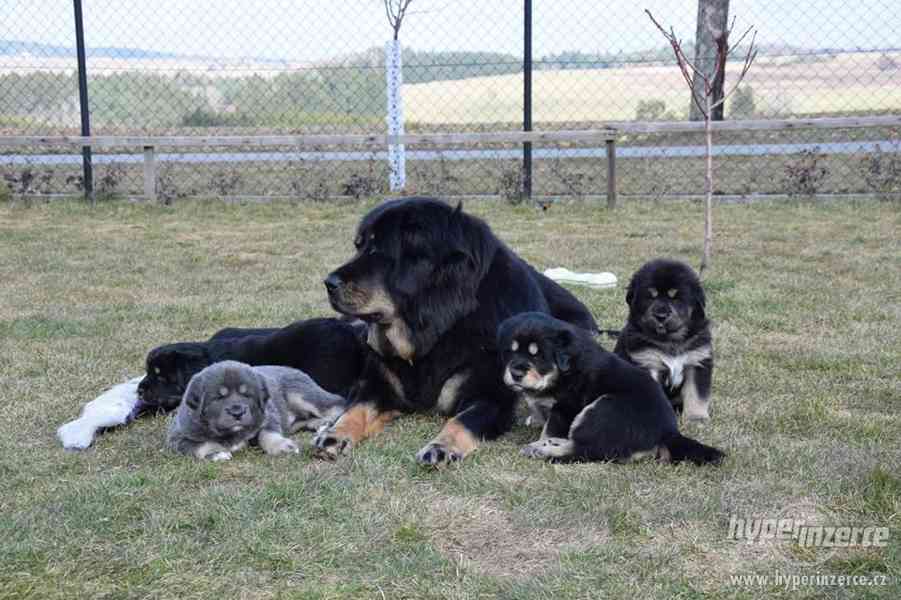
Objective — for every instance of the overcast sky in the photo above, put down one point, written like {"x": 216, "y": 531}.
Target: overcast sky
{"x": 310, "y": 30}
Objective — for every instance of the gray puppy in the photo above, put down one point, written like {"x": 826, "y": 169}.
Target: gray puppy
{"x": 229, "y": 404}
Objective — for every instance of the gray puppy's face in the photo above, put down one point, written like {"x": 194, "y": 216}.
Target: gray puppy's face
{"x": 228, "y": 397}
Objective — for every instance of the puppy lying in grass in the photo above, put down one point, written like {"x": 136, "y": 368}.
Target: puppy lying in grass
{"x": 600, "y": 407}
{"x": 230, "y": 404}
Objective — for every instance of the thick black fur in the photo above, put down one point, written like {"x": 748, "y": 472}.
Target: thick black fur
{"x": 445, "y": 282}
{"x": 606, "y": 408}
{"x": 673, "y": 327}
{"x": 331, "y": 351}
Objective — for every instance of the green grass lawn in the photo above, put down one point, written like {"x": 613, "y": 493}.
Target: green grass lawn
{"x": 807, "y": 307}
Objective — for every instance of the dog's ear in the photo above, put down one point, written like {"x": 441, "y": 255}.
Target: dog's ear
{"x": 700, "y": 303}
{"x": 563, "y": 350}
{"x": 452, "y": 285}
{"x": 630, "y": 292}
{"x": 265, "y": 394}
{"x": 193, "y": 396}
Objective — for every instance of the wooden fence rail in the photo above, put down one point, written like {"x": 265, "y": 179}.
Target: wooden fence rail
{"x": 606, "y": 132}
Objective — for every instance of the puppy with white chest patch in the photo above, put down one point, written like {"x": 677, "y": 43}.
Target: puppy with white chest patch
{"x": 230, "y": 404}
{"x": 600, "y": 406}
{"x": 667, "y": 334}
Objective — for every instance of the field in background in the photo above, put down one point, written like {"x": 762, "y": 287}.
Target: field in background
{"x": 820, "y": 84}
{"x": 808, "y": 339}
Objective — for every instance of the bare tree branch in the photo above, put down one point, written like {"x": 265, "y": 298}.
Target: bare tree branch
{"x": 396, "y": 10}
{"x": 705, "y": 103}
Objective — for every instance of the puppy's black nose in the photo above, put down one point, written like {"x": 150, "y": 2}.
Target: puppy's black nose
{"x": 332, "y": 282}
{"x": 661, "y": 313}
{"x": 236, "y": 410}
{"x": 518, "y": 371}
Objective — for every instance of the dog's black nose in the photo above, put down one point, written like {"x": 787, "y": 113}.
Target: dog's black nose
{"x": 660, "y": 313}
{"x": 236, "y": 410}
{"x": 332, "y": 282}
{"x": 518, "y": 371}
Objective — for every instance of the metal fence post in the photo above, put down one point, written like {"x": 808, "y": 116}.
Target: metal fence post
{"x": 87, "y": 169}
{"x": 527, "y": 99}
{"x": 611, "y": 173}
{"x": 149, "y": 173}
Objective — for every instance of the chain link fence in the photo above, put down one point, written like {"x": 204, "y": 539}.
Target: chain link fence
{"x": 228, "y": 67}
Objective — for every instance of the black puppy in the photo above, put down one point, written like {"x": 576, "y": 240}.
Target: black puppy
{"x": 331, "y": 351}
{"x": 668, "y": 334}
{"x": 601, "y": 407}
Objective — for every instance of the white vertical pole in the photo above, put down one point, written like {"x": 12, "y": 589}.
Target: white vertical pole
{"x": 394, "y": 79}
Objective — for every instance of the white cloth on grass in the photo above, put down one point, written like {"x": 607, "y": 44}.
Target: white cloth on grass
{"x": 593, "y": 280}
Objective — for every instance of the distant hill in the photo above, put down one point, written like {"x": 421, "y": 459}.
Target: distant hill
{"x": 14, "y": 47}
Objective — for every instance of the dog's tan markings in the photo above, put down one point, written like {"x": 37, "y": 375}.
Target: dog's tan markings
{"x": 515, "y": 346}
{"x": 242, "y": 389}
{"x": 672, "y": 293}
{"x": 653, "y": 292}
{"x": 447, "y": 399}
{"x": 398, "y": 333}
{"x": 223, "y": 391}
{"x": 453, "y": 443}
{"x": 533, "y": 349}
{"x": 392, "y": 339}
{"x": 357, "y": 423}
{"x": 694, "y": 407}
{"x": 362, "y": 421}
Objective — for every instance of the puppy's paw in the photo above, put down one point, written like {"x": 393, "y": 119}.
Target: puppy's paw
{"x": 550, "y": 447}
{"x": 329, "y": 444}
{"x": 437, "y": 454}
{"x": 698, "y": 415}
{"x": 76, "y": 435}
{"x": 282, "y": 446}
{"x": 219, "y": 456}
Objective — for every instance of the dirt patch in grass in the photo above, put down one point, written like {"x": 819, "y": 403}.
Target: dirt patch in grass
{"x": 478, "y": 534}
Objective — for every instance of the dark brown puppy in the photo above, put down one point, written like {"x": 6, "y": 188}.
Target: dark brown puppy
{"x": 434, "y": 283}
{"x": 667, "y": 334}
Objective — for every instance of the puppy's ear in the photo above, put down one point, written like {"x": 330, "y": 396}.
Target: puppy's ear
{"x": 194, "y": 394}
{"x": 265, "y": 394}
{"x": 630, "y": 292}
{"x": 562, "y": 351}
{"x": 700, "y": 303}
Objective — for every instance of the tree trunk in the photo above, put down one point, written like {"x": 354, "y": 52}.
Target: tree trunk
{"x": 708, "y": 188}
{"x": 713, "y": 20}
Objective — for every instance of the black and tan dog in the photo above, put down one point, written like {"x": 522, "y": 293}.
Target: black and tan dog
{"x": 600, "y": 406}
{"x": 434, "y": 282}
{"x": 667, "y": 333}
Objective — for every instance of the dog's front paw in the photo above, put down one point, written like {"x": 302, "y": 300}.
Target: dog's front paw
{"x": 436, "y": 454}
{"x": 700, "y": 414}
{"x": 550, "y": 447}
{"x": 282, "y": 446}
{"x": 329, "y": 443}
{"x": 220, "y": 456}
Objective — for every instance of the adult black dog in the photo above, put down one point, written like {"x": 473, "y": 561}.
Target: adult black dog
{"x": 668, "y": 334}
{"x": 434, "y": 283}
{"x": 601, "y": 407}
{"x": 331, "y": 351}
